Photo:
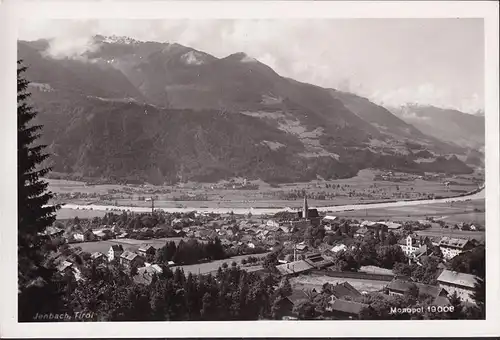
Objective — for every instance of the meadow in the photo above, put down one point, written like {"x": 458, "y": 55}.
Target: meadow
{"x": 362, "y": 188}
{"x": 128, "y": 244}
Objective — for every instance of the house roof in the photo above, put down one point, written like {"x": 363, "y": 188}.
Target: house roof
{"x": 361, "y": 231}
{"x": 301, "y": 246}
{"x": 453, "y": 242}
{"x": 117, "y": 247}
{"x": 299, "y": 295}
{"x": 349, "y": 307}
{"x": 456, "y": 278}
{"x": 403, "y": 286}
{"x": 393, "y": 225}
{"x": 128, "y": 255}
{"x": 146, "y": 247}
{"x": 293, "y": 267}
{"x": 96, "y": 255}
{"x": 63, "y": 265}
{"x": 330, "y": 218}
{"x": 52, "y": 230}
{"x": 344, "y": 289}
{"x": 338, "y": 248}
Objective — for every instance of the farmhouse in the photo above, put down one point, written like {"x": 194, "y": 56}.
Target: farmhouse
{"x": 146, "y": 249}
{"x": 451, "y": 247}
{"x": 129, "y": 259}
{"x": 115, "y": 251}
{"x": 461, "y": 283}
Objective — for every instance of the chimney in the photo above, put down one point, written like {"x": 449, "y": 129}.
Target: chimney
{"x": 305, "y": 208}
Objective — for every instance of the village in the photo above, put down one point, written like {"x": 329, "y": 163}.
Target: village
{"x": 346, "y": 262}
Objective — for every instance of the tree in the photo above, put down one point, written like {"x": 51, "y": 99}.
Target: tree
{"x": 285, "y": 287}
{"x": 479, "y": 297}
{"x": 457, "y": 307}
{"x": 34, "y": 212}
{"x": 305, "y": 310}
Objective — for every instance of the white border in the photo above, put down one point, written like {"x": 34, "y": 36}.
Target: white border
{"x": 11, "y": 11}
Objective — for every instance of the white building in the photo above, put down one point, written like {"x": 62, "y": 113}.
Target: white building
{"x": 451, "y": 247}
{"x": 461, "y": 283}
{"x": 410, "y": 245}
{"x": 115, "y": 252}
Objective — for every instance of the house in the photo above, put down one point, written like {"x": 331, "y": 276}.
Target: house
{"x": 343, "y": 309}
{"x": 122, "y": 235}
{"x": 285, "y": 229}
{"x": 461, "y": 283}
{"x": 272, "y": 223}
{"x": 301, "y": 247}
{"x": 399, "y": 287}
{"x": 146, "y": 250}
{"x": 317, "y": 261}
{"x": 88, "y": 235}
{"x": 129, "y": 259}
{"x": 342, "y": 290}
{"x": 115, "y": 251}
{"x": 338, "y": 247}
{"x": 329, "y": 218}
{"x": 145, "y": 274}
{"x": 361, "y": 232}
{"x": 451, "y": 247}
{"x": 293, "y": 268}
{"x": 393, "y": 226}
{"x": 98, "y": 257}
{"x": 78, "y": 237}
{"x": 99, "y": 234}
{"x": 65, "y": 267}
{"x": 410, "y": 245}
{"x": 54, "y": 232}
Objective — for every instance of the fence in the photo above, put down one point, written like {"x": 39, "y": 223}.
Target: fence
{"x": 355, "y": 275}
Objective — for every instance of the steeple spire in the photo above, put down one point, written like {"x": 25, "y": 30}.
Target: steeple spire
{"x": 305, "y": 208}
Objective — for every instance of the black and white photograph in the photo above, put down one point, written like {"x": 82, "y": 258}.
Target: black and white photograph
{"x": 253, "y": 169}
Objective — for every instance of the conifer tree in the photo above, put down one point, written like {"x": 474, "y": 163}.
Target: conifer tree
{"x": 36, "y": 289}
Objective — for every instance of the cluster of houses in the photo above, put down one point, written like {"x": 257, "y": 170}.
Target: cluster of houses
{"x": 415, "y": 246}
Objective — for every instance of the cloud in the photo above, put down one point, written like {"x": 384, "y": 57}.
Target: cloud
{"x": 432, "y": 61}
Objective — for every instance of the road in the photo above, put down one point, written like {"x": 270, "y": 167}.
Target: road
{"x": 271, "y": 211}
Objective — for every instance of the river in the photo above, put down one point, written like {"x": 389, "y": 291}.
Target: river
{"x": 271, "y": 211}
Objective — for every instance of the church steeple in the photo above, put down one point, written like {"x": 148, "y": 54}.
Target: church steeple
{"x": 305, "y": 208}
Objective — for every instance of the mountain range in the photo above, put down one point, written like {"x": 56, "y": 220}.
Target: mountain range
{"x": 132, "y": 111}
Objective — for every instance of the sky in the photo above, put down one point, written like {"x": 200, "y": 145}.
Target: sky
{"x": 390, "y": 61}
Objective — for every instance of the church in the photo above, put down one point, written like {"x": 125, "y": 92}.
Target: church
{"x": 310, "y": 216}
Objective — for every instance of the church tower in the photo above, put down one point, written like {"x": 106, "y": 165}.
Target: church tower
{"x": 305, "y": 209}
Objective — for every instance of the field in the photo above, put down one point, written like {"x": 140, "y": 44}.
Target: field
{"x": 316, "y": 282}
{"x": 128, "y": 244}
{"x": 362, "y": 188}
{"x": 210, "y": 267}
{"x": 65, "y": 214}
{"x": 468, "y": 211}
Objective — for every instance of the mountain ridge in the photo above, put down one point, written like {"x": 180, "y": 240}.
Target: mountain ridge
{"x": 295, "y": 131}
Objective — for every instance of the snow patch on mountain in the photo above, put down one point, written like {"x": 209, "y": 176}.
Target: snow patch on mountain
{"x": 193, "y": 58}
{"x": 247, "y": 59}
